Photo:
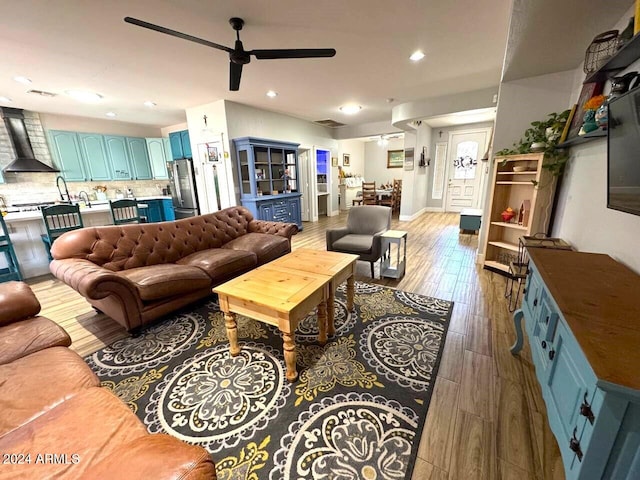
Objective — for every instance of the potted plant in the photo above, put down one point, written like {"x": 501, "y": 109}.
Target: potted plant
{"x": 543, "y": 136}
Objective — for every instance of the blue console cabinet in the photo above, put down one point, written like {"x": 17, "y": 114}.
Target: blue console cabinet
{"x": 582, "y": 319}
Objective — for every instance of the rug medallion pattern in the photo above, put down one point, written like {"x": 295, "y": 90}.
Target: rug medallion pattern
{"x": 355, "y": 412}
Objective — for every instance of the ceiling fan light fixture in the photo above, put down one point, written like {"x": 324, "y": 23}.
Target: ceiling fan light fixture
{"x": 416, "y": 56}
{"x": 272, "y": 94}
{"x": 84, "y": 96}
{"x": 149, "y": 104}
{"x": 350, "y": 109}
{"x": 22, "y": 80}
{"x": 383, "y": 141}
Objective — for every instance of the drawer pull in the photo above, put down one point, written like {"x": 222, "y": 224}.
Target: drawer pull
{"x": 544, "y": 344}
{"x": 574, "y": 445}
{"x": 535, "y": 302}
{"x": 552, "y": 353}
{"x": 524, "y": 290}
{"x": 585, "y": 410}
{"x": 546, "y": 320}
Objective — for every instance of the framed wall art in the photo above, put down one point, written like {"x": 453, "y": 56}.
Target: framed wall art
{"x": 345, "y": 160}
{"x": 395, "y": 158}
{"x": 334, "y": 161}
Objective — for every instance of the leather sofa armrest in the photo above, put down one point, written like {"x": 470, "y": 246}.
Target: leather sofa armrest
{"x": 287, "y": 230}
{"x": 157, "y": 456}
{"x": 17, "y": 302}
{"x": 335, "y": 234}
{"x": 91, "y": 280}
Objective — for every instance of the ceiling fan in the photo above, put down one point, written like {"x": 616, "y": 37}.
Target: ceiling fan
{"x": 238, "y": 56}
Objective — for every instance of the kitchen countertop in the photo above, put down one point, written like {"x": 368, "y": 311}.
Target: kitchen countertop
{"x": 99, "y": 206}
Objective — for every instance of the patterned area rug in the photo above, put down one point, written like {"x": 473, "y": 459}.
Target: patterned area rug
{"x": 356, "y": 411}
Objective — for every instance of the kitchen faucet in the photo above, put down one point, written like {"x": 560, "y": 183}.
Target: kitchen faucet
{"x": 66, "y": 189}
{"x": 86, "y": 196}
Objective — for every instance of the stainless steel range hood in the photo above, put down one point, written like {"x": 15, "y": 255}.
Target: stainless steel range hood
{"x": 25, "y": 159}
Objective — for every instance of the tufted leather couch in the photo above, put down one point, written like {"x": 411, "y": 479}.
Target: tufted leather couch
{"x": 138, "y": 273}
{"x": 52, "y": 404}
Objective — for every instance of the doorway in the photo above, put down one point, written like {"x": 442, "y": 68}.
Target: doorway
{"x": 464, "y": 169}
{"x": 306, "y": 176}
{"x": 323, "y": 182}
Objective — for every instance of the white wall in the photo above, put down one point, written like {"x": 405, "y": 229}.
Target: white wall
{"x": 96, "y": 125}
{"x": 375, "y": 161}
{"x": 356, "y": 151}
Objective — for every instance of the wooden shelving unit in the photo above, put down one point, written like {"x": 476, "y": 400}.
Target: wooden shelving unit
{"x": 511, "y": 189}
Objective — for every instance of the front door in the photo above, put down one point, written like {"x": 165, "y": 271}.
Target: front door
{"x": 464, "y": 171}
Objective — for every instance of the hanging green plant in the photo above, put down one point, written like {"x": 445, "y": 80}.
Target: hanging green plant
{"x": 543, "y": 136}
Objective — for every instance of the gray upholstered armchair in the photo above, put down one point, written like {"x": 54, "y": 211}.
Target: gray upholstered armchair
{"x": 361, "y": 236}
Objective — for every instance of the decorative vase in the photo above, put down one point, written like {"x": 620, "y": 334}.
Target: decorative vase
{"x": 602, "y": 116}
{"x": 588, "y": 122}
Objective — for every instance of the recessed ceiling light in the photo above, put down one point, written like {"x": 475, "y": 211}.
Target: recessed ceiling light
{"x": 22, "y": 80}
{"x": 149, "y": 104}
{"x": 350, "y": 109}
{"x": 417, "y": 55}
{"x": 5, "y": 99}
{"x": 84, "y": 96}
{"x": 272, "y": 94}
{"x": 111, "y": 114}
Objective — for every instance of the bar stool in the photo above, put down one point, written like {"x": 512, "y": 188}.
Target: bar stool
{"x": 59, "y": 219}
{"x": 12, "y": 271}
{"x": 124, "y": 211}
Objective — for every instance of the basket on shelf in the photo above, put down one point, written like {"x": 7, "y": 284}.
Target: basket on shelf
{"x": 600, "y": 50}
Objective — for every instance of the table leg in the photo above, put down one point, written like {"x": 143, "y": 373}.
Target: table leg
{"x": 322, "y": 322}
{"x": 290, "y": 356}
{"x": 331, "y": 312}
{"x": 351, "y": 281}
{"x": 232, "y": 332}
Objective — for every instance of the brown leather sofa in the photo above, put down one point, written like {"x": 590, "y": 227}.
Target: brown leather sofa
{"x": 55, "y": 419}
{"x": 138, "y": 273}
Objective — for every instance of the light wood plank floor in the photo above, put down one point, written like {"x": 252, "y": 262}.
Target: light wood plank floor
{"x": 487, "y": 419}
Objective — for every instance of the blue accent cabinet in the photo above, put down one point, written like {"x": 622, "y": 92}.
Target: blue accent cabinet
{"x": 158, "y": 210}
{"x": 139, "y": 158}
{"x": 118, "y": 156}
{"x": 268, "y": 179}
{"x": 581, "y": 314}
{"x": 180, "y": 144}
{"x": 67, "y": 155}
{"x": 95, "y": 156}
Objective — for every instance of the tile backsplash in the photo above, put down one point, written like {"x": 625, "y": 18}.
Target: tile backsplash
{"x": 41, "y": 187}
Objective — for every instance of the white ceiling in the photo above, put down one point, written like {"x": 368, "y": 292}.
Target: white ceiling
{"x": 85, "y": 44}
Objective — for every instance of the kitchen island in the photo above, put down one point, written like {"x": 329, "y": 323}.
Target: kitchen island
{"x": 25, "y": 229}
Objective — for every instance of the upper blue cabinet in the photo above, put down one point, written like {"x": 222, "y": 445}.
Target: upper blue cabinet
{"x": 95, "y": 156}
{"x": 65, "y": 149}
{"x": 118, "y": 157}
{"x": 139, "y": 158}
{"x": 180, "y": 145}
{"x": 157, "y": 157}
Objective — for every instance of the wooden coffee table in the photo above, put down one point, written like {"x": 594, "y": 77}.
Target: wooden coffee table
{"x": 277, "y": 296}
{"x": 337, "y": 266}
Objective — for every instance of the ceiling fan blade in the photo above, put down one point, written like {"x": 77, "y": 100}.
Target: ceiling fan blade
{"x": 174, "y": 33}
{"x": 235, "y": 72}
{"x": 293, "y": 53}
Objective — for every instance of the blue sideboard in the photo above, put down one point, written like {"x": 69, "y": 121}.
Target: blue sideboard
{"x": 582, "y": 318}
{"x": 158, "y": 210}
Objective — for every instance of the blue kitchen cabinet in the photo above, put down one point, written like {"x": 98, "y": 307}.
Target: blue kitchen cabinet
{"x": 118, "y": 156}
{"x": 157, "y": 158}
{"x": 94, "y": 156}
{"x": 186, "y": 144}
{"x": 577, "y": 310}
{"x": 167, "y": 149}
{"x": 67, "y": 156}
{"x": 176, "y": 145}
{"x": 154, "y": 210}
{"x": 168, "y": 213}
{"x": 139, "y": 157}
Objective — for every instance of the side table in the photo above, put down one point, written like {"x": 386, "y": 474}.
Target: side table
{"x": 387, "y": 269}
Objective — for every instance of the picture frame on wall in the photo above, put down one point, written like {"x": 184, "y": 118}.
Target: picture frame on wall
{"x": 346, "y": 161}
{"x": 334, "y": 161}
{"x": 395, "y": 158}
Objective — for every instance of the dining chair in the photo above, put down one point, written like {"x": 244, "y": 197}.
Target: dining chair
{"x": 393, "y": 200}
{"x": 369, "y": 196}
{"x": 124, "y": 211}
{"x": 12, "y": 270}
{"x": 59, "y": 219}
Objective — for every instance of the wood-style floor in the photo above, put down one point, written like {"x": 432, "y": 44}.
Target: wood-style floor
{"x": 487, "y": 418}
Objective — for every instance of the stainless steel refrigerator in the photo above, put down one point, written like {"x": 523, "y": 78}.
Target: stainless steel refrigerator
{"x": 182, "y": 182}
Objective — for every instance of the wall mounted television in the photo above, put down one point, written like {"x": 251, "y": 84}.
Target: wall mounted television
{"x": 623, "y": 153}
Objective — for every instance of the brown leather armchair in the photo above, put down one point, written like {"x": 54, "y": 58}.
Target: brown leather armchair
{"x": 52, "y": 403}
{"x": 362, "y": 235}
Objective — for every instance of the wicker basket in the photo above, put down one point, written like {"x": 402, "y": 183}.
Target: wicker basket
{"x": 601, "y": 49}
